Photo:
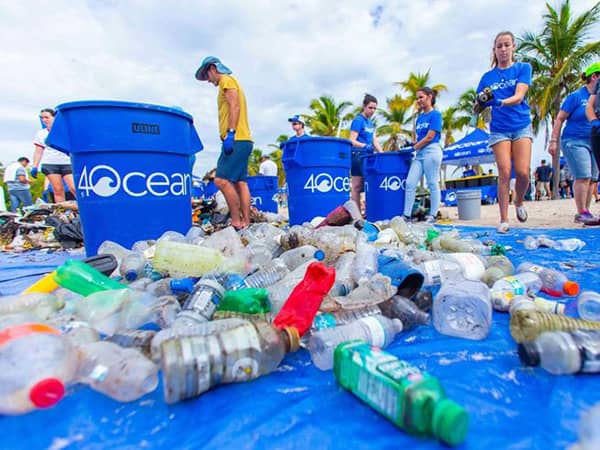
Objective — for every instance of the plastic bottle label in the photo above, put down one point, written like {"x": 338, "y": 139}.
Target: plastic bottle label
{"x": 501, "y": 300}
{"x": 515, "y": 284}
{"x": 550, "y": 306}
{"x": 326, "y": 320}
{"x": 433, "y": 273}
{"x": 99, "y": 373}
{"x": 472, "y": 266}
{"x": 588, "y": 344}
{"x": 376, "y": 329}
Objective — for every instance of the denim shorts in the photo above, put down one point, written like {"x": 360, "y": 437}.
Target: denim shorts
{"x": 234, "y": 167}
{"x": 579, "y": 156}
{"x": 499, "y": 136}
{"x": 57, "y": 169}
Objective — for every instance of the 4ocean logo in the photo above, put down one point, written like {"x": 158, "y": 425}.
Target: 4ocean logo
{"x": 105, "y": 181}
{"x": 324, "y": 182}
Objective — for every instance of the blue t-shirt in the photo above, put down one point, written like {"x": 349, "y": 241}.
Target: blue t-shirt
{"x": 596, "y": 91}
{"x": 294, "y": 137}
{"x": 365, "y": 129}
{"x": 429, "y": 121}
{"x": 503, "y": 83}
{"x": 577, "y": 126}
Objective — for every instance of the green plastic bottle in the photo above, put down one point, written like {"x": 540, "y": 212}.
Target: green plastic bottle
{"x": 247, "y": 301}
{"x": 413, "y": 400}
{"x": 83, "y": 279}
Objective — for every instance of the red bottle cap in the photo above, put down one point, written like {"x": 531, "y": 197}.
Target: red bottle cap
{"x": 571, "y": 288}
{"x": 47, "y": 392}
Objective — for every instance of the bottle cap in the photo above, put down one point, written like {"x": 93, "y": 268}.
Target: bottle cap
{"x": 293, "y": 337}
{"x": 319, "y": 255}
{"x": 528, "y": 354}
{"x": 47, "y": 392}
{"x": 450, "y": 422}
{"x": 182, "y": 285}
{"x": 17, "y": 331}
{"x": 571, "y": 288}
{"x": 131, "y": 275}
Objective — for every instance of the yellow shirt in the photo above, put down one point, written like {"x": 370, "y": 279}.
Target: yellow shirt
{"x": 242, "y": 129}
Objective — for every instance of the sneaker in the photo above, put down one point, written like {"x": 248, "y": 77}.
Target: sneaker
{"x": 585, "y": 217}
{"x": 502, "y": 228}
{"x": 521, "y": 213}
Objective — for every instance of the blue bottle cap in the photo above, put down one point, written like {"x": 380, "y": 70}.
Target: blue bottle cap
{"x": 319, "y": 255}
{"x": 182, "y": 285}
{"x": 131, "y": 275}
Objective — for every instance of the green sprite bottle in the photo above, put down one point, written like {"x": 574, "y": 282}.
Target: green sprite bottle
{"x": 413, "y": 400}
{"x": 250, "y": 304}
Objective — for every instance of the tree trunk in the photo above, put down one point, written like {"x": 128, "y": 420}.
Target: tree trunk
{"x": 555, "y": 158}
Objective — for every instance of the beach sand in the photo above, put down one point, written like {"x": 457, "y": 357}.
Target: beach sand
{"x": 541, "y": 214}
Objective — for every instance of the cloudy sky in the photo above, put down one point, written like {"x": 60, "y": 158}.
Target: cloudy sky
{"x": 284, "y": 53}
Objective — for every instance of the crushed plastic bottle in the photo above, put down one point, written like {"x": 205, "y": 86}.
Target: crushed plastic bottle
{"x": 462, "y": 308}
{"x": 40, "y": 305}
{"x": 399, "y": 307}
{"x": 569, "y": 245}
{"x": 497, "y": 267}
{"x": 554, "y": 283}
{"x": 343, "y": 275}
{"x": 372, "y": 292}
{"x": 411, "y": 399}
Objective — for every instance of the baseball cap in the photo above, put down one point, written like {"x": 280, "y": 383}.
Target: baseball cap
{"x": 296, "y": 118}
{"x": 201, "y": 73}
{"x": 592, "y": 68}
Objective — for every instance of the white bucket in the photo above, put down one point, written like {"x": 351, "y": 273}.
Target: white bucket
{"x": 469, "y": 204}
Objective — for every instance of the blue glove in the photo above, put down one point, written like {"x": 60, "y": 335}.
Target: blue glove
{"x": 595, "y": 124}
{"x": 34, "y": 172}
{"x": 368, "y": 148}
{"x": 228, "y": 143}
{"x": 493, "y": 102}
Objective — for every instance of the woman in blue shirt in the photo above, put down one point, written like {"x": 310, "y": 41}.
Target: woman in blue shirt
{"x": 364, "y": 142}
{"x": 428, "y": 157}
{"x": 576, "y": 144}
{"x": 510, "y": 129}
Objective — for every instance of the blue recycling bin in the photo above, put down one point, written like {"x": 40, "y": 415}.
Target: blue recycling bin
{"x": 318, "y": 176}
{"x": 263, "y": 192}
{"x": 385, "y": 183}
{"x": 132, "y": 165}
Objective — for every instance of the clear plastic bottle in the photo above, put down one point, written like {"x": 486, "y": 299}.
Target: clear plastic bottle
{"x": 473, "y": 266}
{"x": 123, "y": 374}
{"x": 399, "y": 307}
{"x": 182, "y": 260}
{"x": 36, "y": 363}
{"x": 342, "y": 317}
{"x": 112, "y": 248}
{"x": 295, "y": 257}
{"x": 136, "y": 339}
{"x": 506, "y": 288}
{"x": 376, "y": 330}
{"x": 40, "y": 305}
{"x": 554, "y": 283}
{"x": 372, "y": 292}
{"x": 77, "y": 331}
{"x": 280, "y": 291}
{"x": 365, "y": 262}
{"x": 234, "y": 355}
{"x": 438, "y": 271}
{"x": 527, "y": 325}
{"x": 588, "y": 305}
{"x": 204, "y": 299}
{"x": 227, "y": 241}
{"x": 562, "y": 353}
{"x": 462, "y": 308}
{"x": 267, "y": 277}
{"x": 132, "y": 266}
{"x": 343, "y": 274}
{"x": 497, "y": 267}
{"x": 569, "y": 245}
{"x": 171, "y": 236}
{"x": 589, "y": 432}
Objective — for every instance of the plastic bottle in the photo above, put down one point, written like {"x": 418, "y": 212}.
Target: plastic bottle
{"x": 520, "y": 302}
{"x": 376, "y": 290}
{"x": 532, "y": 303}
{"x": 526, "y": 325}
{"x": 554, "y": 283}
{"x": 40, "y": 305}
{"x": 455, "y": 244}
{"x": 473, "y": 266}
{"x": 399, "y": 307}
{"x": 180, "y": 329}
{"x": 171, "y": 236}
{"x": 115, "y": 249}
{"x": 132, "y": 266}
{"x": 79, "y": 277}
{"x": 295, "y": 257}
{"x": 36, "y": 363}
{"x": 116, "y": 310}
{"x": 438, "y": 271}
{"x": 340, "y": 216}
{"x": 300, "y": 308}
{"x": 462, "y": 308}
{"x": 234, "y": 355}
{"x": 280, "y": 291}
{"x": 343, "y": 275}
{"x": 411, "y": 399}
{"x": 123, "y": 374}
{"x": 227, "y": 241}
{"x": 343, "y": 317}
{"x": 204, "y": 299}
{"x": 77, "y": 331}
{"x": 137, "y": 339}
{"x": 497, "y": 267}
{"x": 365, "y": 262}
{"x": 402, "y": 274}
{"x": 588, "y": 305}
{"x": 562, "y": 353}
{"x": 181, "y": 260}
{"x": 569, "y": 245}
{"x": 376, "y": 330}
{"x": 267, "y": 277}
{"x": 246, "y": 301}
{"x": 589, "y": 432}
{"x": 506, "y": 288}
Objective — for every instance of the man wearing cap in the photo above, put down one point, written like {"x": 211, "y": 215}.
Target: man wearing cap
{"x": 232, "y": 166}
{"x": 15, "y": 177}
{"x": 267, "y": 167}
{"x": 298, "y": 127}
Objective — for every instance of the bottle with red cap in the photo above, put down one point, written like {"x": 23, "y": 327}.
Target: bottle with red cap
{"x": 36, "y": 363}
{"x": 554, "y": 283}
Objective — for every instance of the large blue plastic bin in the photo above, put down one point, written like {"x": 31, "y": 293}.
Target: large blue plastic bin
{"x": 318, "y": 176}
{"x": 263, "y": 192}
{"x": 132, "y": 168}
{"x": 385, "y": 183}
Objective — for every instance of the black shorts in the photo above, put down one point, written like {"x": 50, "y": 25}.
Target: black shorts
{"x": 57, "y": 169}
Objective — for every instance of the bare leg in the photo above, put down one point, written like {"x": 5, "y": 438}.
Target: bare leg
{"x": 357, "y": 185}
{"x": 232, "y": 198}
{"x": 522, "y": 160}
{"x": 582, "y": 194}
{"x": 57, "y": 185}
{"x": 502, "y": 154}
{"x": 70, "y": 183}
{"x": 244, "y": 196}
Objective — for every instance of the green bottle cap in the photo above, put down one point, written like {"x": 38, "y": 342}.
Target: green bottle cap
{"x": 431, "y": 235}
{"x": 450, "y": 422}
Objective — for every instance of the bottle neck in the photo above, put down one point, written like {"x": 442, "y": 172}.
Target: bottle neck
{"x": 291, "y": 339}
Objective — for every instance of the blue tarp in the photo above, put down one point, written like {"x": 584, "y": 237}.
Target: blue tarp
{"x": 298, "y": 406}
{"x": 472, "y": 149}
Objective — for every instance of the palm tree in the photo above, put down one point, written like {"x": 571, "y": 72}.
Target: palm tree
{"x": 397, "y": 118}
{"x": 465, "y": 105}
{"x": 412, "y": 85}
{"x": 557, "y": 55}
{"x": 327, "y": 116}
{"x": 277, "y": 157}
{"x": 254, "y": 161}
{"x": 453, "y": 121}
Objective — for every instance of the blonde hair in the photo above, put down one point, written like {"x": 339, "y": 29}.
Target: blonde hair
{"x": 502, "y": 33}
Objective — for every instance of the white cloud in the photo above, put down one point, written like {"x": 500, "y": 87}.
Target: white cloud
{"x": 284, "y": 54}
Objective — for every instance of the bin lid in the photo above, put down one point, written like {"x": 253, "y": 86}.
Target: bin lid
{"x": 315, "y": 139}
{"x": 107, "y": 125}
